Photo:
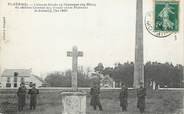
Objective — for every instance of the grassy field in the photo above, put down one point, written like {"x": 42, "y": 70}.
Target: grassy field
{"x": 157, "y": 102}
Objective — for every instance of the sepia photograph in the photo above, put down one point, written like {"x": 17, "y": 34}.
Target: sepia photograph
{"x": 91, "y": 56}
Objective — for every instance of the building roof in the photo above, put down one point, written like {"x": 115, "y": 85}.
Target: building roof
{"x": 95, "y": 75}
{"x": 41, "y": 80}
{"x": 21, "y": 72}
{"x": 107, "y": 77}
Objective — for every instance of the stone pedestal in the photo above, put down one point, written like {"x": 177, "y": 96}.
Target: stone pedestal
{"x": 73, "y": 103}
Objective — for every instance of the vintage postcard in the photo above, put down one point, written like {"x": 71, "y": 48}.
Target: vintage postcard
{"x": 91, "y": 56}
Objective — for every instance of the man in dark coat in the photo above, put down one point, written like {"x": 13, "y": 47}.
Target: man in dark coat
{"x": 123, "y": 97}
{"x": 141, "y": 94}
{"x": 33, "y": 97}
{"x": 95, "y": 97}
{"x": 21, "y": 93}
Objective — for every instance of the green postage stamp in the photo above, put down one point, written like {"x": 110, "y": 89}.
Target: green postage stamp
{"x": 166, "y": 15}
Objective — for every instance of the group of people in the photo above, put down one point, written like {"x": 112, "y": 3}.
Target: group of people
{"x": 95, "y": 97}
{"x": 123, "y": 97}
{"x": 21, "y": 94}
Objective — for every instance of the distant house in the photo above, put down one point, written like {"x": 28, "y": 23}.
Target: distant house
{"x": 107, "y": 82}
{"x": 12, "y": 78}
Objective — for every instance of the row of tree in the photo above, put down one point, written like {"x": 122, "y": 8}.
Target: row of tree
{"x": 164, "y": 74}
{"x": 63, "y": 79}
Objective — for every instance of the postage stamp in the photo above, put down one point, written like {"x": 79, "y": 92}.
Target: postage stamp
{"x": 149, "y": 25}
{"x": 166, "y": 15}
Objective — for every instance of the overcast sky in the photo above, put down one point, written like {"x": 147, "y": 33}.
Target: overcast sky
{"x": 105, "y": 33}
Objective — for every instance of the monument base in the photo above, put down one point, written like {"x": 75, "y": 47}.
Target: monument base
{"x": 73, "y": 103}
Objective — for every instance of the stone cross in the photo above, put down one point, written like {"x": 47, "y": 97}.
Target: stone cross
{"x": 74, "y": 54}
{"x": 139, "y": 57}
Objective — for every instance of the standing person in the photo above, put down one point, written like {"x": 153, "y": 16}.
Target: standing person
{"x": 33, "y": 96}
{"x": 95, "y": 97}
{"x": 123, "y": 97}
{"x": 141, "y": 94}
{"x": 21, "y": 93}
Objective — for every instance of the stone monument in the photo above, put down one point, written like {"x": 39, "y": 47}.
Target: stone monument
{"x": 139, "y": 62}
{"x": 74, "y": 101}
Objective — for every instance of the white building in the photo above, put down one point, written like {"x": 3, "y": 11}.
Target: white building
{"x": 107, "y": 82}
{"x": 12, "y": 78}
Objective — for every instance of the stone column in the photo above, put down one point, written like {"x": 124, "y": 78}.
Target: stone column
{"x": 139, "y": 62}
{"x": 182, "y": 3}
{"x": 74, "y": 67}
